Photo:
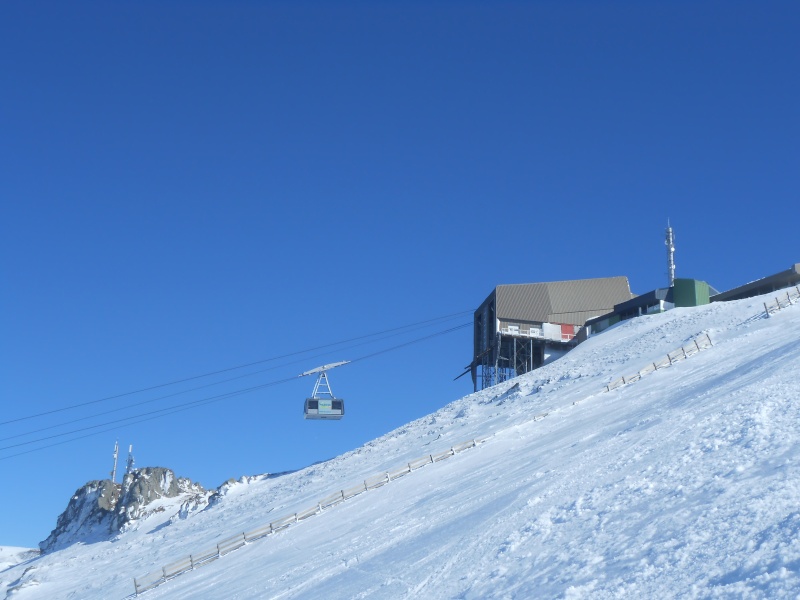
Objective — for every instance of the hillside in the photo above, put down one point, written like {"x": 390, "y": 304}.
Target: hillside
{"x": 681, "y": 484}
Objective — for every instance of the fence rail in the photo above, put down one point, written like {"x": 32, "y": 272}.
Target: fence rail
{"x": 178, "y": 567}
{"x": 397, "y": 473}
{"x": 283, "y": 523}
{"x": 332, "y": 500}
{"x": 259, "y": 532}
{"x": 204, "y": 556}
{"x": 226, "y": 546}
{"x": 420, "y": 462}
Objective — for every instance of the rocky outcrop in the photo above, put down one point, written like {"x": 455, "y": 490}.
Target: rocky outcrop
{"x": 101, "y": 509}
{"x": 141, "y": 487}
{"x": 88, "y": 515}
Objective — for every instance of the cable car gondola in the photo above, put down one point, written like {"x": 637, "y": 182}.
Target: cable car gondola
{"x": 323, "y": 404}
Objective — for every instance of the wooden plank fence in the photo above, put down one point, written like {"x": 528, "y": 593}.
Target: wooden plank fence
{"x": 226, "y": 546}
{"x": 782, "y": 301}
{"x": 698, "y": 344}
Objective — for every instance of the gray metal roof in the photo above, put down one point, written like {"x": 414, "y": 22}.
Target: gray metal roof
{"x": 765, "y": 285}
{"x": 560, "y": 301}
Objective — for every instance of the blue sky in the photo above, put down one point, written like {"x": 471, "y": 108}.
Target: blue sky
{"x": 192, "y": 186}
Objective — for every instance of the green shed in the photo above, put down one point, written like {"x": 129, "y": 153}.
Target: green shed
{"x": 690, "y": 292}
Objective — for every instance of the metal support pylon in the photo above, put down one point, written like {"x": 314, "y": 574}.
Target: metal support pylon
{"x": 322, "y": 386}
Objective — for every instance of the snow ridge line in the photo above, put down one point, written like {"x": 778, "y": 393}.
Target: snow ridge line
{"x": 699, "y": 343}
{"x": 189, "y": 563}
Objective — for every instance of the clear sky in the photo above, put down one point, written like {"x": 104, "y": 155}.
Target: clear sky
{"x": 192, "y": 186}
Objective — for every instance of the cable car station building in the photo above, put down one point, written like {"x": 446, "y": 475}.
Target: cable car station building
{"x": 520, "y": 325}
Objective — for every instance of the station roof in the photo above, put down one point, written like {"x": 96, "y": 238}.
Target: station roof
{"x": 572, "y": 301}
{"x": 764, "y": 285}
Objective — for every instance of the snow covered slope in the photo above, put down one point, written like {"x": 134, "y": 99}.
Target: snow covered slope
{"x": 10, "y": 555}
{"x": 682, "y": 484}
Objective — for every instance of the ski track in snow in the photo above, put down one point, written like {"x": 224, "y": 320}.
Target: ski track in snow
{"x": 683, "y": 484}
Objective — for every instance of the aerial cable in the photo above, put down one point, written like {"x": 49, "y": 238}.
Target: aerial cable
{"x": 129, "y": 406}
{"x": 194, "y": 389}
{"x": 142, "y": 420}
{"x": 422, "y": 339}
{"x": 226, "y": 370}
{"x": 168, "y": 410}
{"x": 195, "y": 403}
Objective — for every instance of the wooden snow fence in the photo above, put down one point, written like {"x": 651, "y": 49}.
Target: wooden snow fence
{"x": 226, "y": 546}
{"x": 699, "y": 343}
{"x": 782, "y": 301}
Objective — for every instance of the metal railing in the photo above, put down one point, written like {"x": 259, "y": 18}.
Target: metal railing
{"x": 533, "y": 332}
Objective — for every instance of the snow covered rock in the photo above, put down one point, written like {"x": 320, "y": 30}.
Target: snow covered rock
{"x": 99, "y": 510}
{"x": 142, "y": 487}
{"x": 87, "y": 518}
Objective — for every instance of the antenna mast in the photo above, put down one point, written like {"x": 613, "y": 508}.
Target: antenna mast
{"x": 116, "y": 455}
{"x": 670, "y": 242}
{"x": 129, "y": 464}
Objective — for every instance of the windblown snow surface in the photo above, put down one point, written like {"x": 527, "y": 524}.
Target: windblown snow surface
{"x": 683, "y": 484}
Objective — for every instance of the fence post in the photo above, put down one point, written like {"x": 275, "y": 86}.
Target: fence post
{"x": 135, "y": 587}
{"x": 766, "y": 310}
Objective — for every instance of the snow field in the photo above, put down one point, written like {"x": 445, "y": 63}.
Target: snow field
{"x": 683, "y": 484}
{"x": 235, "y": 542}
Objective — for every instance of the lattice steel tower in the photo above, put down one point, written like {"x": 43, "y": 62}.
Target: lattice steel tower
{"x": 670, "y": 242}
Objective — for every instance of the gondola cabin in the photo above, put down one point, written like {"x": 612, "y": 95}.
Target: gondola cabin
{"x": 323, "y": 404}
{"x": 324, "y": 408}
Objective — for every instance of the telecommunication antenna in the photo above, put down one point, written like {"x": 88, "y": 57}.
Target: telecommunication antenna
{"x": 116, "y": 455}
{"x": 129, "y": 464}
{"x": 670, "y": 242}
